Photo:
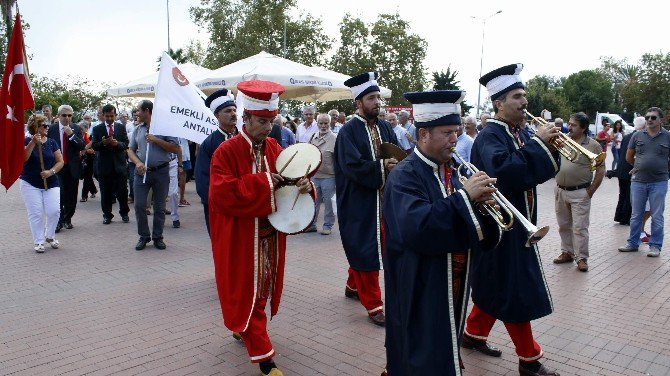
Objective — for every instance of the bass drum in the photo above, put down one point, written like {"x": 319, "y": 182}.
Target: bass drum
{"x": 288, "y": 218}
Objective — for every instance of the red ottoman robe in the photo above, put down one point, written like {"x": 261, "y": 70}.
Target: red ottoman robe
{"x": 239, "y": 199}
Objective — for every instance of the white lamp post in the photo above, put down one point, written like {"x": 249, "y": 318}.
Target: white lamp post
{"x": 481, "y": 59}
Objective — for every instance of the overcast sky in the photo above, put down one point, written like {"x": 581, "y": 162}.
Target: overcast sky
{"x": 119, "y": 40}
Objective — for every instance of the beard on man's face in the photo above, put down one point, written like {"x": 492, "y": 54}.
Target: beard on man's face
{"x": 370, "y": 113}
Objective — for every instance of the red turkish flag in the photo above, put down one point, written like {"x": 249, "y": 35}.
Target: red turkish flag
{"x": 15, "y": 98}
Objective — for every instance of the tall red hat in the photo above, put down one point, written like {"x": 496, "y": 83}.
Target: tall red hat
{"x": 260, "y": 98}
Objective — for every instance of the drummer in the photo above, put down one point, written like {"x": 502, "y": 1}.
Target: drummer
{"x": 248, "y": 252}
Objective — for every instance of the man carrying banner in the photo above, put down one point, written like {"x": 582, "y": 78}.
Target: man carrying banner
{"x": 248, "y": 253}
{"x": 223, "y": 106}
{"x": 155, "y": 152}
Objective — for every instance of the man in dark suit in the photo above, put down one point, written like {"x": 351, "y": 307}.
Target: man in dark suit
{"x": 68, "y": 136}
{"x": 110, "y": 141}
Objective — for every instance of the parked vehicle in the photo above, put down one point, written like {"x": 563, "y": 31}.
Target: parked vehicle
{"x": 611, "y": 118}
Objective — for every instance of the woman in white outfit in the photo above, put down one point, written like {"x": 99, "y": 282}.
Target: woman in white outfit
{"x": 39, "y": 184}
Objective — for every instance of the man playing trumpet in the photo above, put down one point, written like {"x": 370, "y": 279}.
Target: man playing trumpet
{"x": 508, "y": 283}
{"x": 431, "y": 226}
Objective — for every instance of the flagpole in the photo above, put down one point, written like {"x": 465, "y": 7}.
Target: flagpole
{"x": 146, "y": 164}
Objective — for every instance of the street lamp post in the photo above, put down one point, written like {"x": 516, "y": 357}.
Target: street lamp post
{"x": 481, "y": 58}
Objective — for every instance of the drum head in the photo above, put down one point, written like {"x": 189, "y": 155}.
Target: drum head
{"x": 292, "y": 221}
{"x": 293, "y": 161}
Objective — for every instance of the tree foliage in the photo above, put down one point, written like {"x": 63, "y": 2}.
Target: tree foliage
{"x": 178, "y": 55}
{"x": 589, "y": 91}
{"x": 242, "y": 28}
{"x": 78, "y": 92}
{"x": 546, "y": 92}
{"x": 447, "y": 81}
{"x": 386, "y": 46}
{"x": 399, "y": 56}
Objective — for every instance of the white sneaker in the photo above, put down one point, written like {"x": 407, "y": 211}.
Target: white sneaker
{"x": 54, "y": 243}
{"x": 654, "y": 252}
{"x": 39, "y": 248}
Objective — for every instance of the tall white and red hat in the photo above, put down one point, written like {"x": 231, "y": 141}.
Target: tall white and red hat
{"x": 260, "y": 98}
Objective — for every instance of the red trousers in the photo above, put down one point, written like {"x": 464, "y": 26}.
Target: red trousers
{"x": 256, "y": 337}
{"x": 479, "y": 324}
{"x": 366, "y": 284}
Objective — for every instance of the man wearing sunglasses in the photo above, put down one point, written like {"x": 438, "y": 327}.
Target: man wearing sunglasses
{"x": 68, "y": 136}
{"x": 649, "y": 153}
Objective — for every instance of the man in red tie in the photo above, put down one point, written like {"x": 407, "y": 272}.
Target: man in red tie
{"x": 110, "y": 141}
{"x": 68, "y": 136}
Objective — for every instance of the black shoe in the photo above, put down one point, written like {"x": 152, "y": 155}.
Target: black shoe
{"x": 106, "y": 221}
{"x": 176, "y": 224}
{"x": 481, "y": 346}
{"x": 378, "y": 319}
{"x": 141, "y": 244}
{"x": 350, "y": 293}
{"x": 59, "y": 227}
{"x": 68, "y": 225}
{"x": 159, "y": 243}
{"x": 535, "y": 369}
{"x": 125, "y": 219}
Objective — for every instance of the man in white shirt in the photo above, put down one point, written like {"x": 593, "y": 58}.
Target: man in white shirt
{"x": 403, "y": 118}
{"x": 405, "y": 140}
{"x": 334, "y": 124}
{"x": 470, "y": 125}
{"x": 308, "y": 127}
{"x": 464, "y": 143}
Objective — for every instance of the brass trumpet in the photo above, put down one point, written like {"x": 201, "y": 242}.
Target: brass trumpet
{"x": 504, "y": 218}
{"x": 570, "y": 148}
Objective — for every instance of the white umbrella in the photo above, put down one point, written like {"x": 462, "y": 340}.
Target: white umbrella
{"x": 146, "y": 86}
{"x": 302, "y": 82}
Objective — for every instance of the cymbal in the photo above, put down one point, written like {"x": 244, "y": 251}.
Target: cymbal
{"x": 389, "y": 150}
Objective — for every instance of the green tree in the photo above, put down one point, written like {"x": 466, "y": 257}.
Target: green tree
{"x": 242, "y": 28}
{"x": 78, "y": 92}
{"x": 177, "y": 55}
{"x": 6, "y": 25}
{"x": 385, "y": 46}
{"x": 654, "y": 78}
{"x": 195, "y": 52}
{"x": 351, "y": 57}
{"x": 399, "y": 56}
{"x": 589, "y": 91}
{"x": 546, "y": 92}
{"x": 447, "y": 81}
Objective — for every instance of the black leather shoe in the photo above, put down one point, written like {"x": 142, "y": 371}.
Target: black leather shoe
{"x": 535, "y": 369}
{"x": 125, "y": 219}
{"x": 68, "y": 225}
{"x": 141, "y": 244}
{"x": 106, "y": 221}
{"x": 176, "y": 224}
{"x": 349, "y": 293}
{"x": 481, "y": 346}
{"x": 59, "y": 227}
{"x": 378, "y": 319}
{"x": 159, "y": 243}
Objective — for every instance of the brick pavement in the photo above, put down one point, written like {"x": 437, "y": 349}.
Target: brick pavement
{"x": 98, "y": 307}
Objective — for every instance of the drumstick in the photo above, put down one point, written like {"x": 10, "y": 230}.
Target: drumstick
{"x": 39, "y": 151}
{"x": 287, "y": 162}
{"x": 298, "y": 194}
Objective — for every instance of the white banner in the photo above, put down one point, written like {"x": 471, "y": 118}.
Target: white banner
{"x": 179, "y": 106}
